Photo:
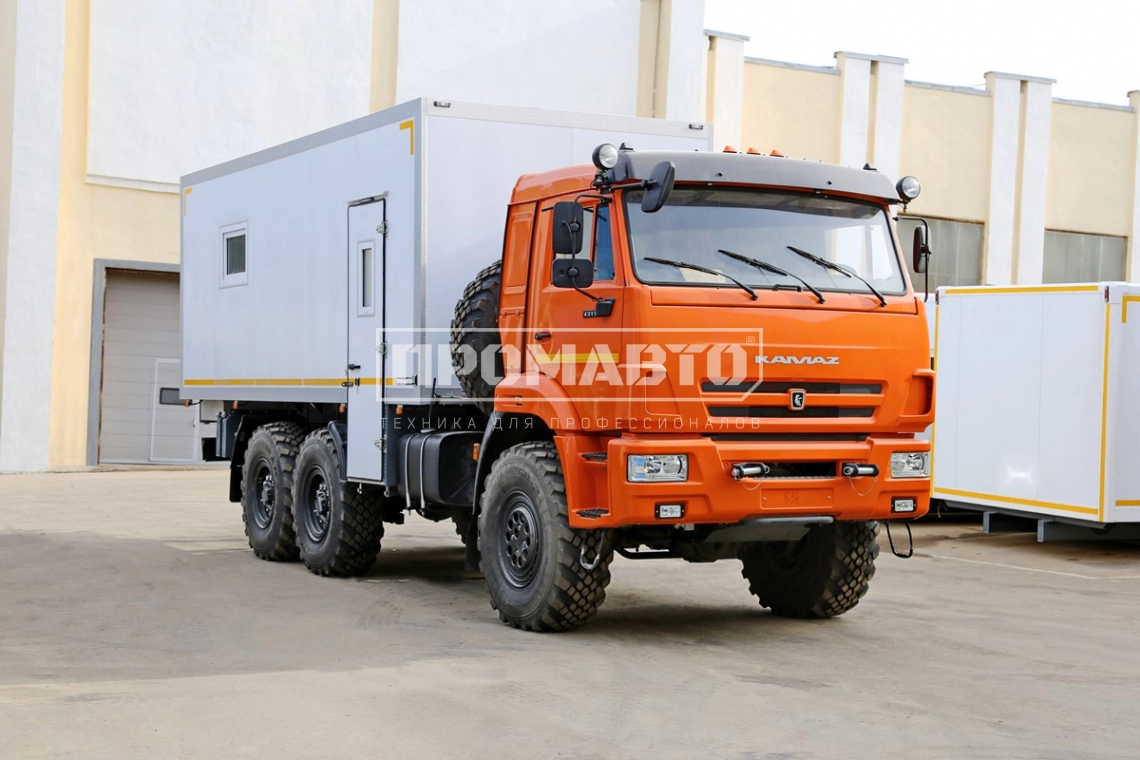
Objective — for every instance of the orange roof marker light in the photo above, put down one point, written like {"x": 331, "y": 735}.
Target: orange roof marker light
{"x": 776, "y": 153}
{"x": 754, "y": 152}
{"x": 730, "y": 149}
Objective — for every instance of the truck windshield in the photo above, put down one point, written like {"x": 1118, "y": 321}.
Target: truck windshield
{"x": 697, "y": 221}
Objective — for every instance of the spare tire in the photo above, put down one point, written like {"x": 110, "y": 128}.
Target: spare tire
{"x": 475, "y": 337}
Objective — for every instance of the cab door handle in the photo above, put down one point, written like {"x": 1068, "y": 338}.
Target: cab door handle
{"x": 542, "y": 336}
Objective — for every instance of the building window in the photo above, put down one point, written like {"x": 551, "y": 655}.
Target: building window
{"x": 1073, "y": 257}
{"x": 957, "y": 257}
{"x": 234, "y": 255}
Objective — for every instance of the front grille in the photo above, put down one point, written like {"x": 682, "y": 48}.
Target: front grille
{"x": 782, "y": 412}
{"x": 784, "y": 387}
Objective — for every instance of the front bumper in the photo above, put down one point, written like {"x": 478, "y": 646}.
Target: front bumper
{"x": 710, "y": 495}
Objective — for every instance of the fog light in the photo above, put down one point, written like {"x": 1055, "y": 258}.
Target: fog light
{"x": 900, "y": 504}
{"x": 910, "y": 464}
{"x": 657, "y": 468}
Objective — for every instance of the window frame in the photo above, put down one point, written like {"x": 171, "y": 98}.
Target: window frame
{"x": 228, "y": 232}
{"x": 363, "y": 310}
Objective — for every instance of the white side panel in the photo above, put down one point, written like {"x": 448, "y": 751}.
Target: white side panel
{"x": 285, "y": 330}
{"x": 464, "y": 232}
{"x": 1122, "y": 494}
{"x": 1071, "y": 380}
{"x": 175, "y": 86}
{"x": 947, "y": 402}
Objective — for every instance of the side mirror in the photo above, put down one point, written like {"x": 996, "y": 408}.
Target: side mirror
{"x": 572, "y": 273}
{"x": 658, "y": 187}
{"x": 568, "y": 219}
{"x": 921, "y": 251}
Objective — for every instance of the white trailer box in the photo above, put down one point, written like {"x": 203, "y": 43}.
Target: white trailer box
{"x": 1038, "y": 401}
{"x": 306, "y": 267}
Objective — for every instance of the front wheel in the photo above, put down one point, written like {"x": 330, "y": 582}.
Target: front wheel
{"x": 531, "y": 557}
{"x": 339, "y": 526}
{"x": 822, "y": 575}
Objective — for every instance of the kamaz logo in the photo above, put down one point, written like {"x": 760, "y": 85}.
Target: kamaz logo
{"x": 797, "y": 359}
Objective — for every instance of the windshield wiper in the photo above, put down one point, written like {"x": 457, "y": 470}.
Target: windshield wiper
{"x": 706, "y": 270}
{"x": 766, "y": 267}
{"x": 836, "y": 268}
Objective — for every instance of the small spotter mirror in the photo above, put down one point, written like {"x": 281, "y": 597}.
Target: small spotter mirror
{"x": 658, "y": 187}
{"x": 572, "y": 273}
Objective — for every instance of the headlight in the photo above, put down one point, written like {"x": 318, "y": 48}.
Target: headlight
{"x": 657, "y": 468}
{"x": 910, "y": 464}
{"x": 605, "y": 156}
{"x": 908, "y": 189}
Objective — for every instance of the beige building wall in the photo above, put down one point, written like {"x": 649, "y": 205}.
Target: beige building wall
{"x": 95, "y": 221}
{"x": 793, "y": 109}
{"x": 946, "y": 144}
{"x": 1090, "y": 169}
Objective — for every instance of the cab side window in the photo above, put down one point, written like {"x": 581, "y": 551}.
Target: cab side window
{"x": 597, "y": 242}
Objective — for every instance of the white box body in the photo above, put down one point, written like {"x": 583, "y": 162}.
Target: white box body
{"x": 1038, "y": 400}
{"x": 445, "y": 175}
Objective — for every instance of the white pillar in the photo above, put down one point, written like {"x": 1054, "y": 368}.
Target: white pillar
{"x": 1019, "y": 160}
{"x": 687, "y": 49}
{"x": 890, "y": 83}
{"x": 726, "y": 96}
{"x": 871, "y": 122}
{"x": 33, "y": 215}
{"x": 1133, "y": 267}
{"x": 855, "y": 122}
{"x": 1038, "y": 112}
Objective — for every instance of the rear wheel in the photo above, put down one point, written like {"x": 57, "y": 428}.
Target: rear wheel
{"x": 267, "y": 489}
{"x": 531, "y": 557}
{"x": 338, "y": 527}
{"x": 822, "y": 575}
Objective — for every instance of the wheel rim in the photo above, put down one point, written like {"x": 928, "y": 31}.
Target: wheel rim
{"x": 521, "y": 542}
{"x": 318, "y": 505}
{"x": 264, "y": 493}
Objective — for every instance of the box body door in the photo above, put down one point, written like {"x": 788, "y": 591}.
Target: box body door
{"x": 365, "y": 365}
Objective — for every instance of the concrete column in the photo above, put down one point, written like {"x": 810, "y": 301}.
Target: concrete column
{"x": 871, "y": 122}
{"x": 33, "y": 213}
{"x": 726, "y": 88}
{"x": 1019, "y": 160}
{"x": 684, "y": 84}
{"x": 1132, "y": 268}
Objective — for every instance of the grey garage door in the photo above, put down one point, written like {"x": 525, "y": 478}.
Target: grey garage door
{"x": 141, "y": 355}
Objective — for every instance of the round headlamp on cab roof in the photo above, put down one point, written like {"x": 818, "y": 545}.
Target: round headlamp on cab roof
{"x": 605, "y": 156}
{"x": 908, "y": 189}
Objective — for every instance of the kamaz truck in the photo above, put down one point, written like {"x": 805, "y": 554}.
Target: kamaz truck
{"x": 573, "y": 335}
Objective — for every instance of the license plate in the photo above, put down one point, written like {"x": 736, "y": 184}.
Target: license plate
{"x": 797, "y": 498}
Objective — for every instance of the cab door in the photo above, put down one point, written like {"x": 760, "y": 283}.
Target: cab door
{"x": 570, "y": 338}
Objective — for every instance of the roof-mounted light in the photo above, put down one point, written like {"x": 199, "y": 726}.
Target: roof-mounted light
{"x": 908, "y": 189}
{"x": 605, "y": 157}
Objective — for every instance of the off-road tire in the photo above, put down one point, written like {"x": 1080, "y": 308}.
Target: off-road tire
{"x": 462, "y": 526}
{"x": 822, "y": 575}
{"x": 348, "y": 539}
{"x": 267, "y": 490}
{"x": 476, "y": 327}
{"x": 560, "y": 594}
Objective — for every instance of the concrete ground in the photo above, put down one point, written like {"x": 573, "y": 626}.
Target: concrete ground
{"x": 134, "y": 623}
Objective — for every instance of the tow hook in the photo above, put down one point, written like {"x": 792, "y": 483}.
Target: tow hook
{"x": 855, "y": 470}
{"x": 909, "y": 541}
{"x": 597, "y": 556}
{"x": 750, "y": 470}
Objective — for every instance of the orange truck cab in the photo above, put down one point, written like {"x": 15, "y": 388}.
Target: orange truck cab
{"x": 704, "y": 356}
